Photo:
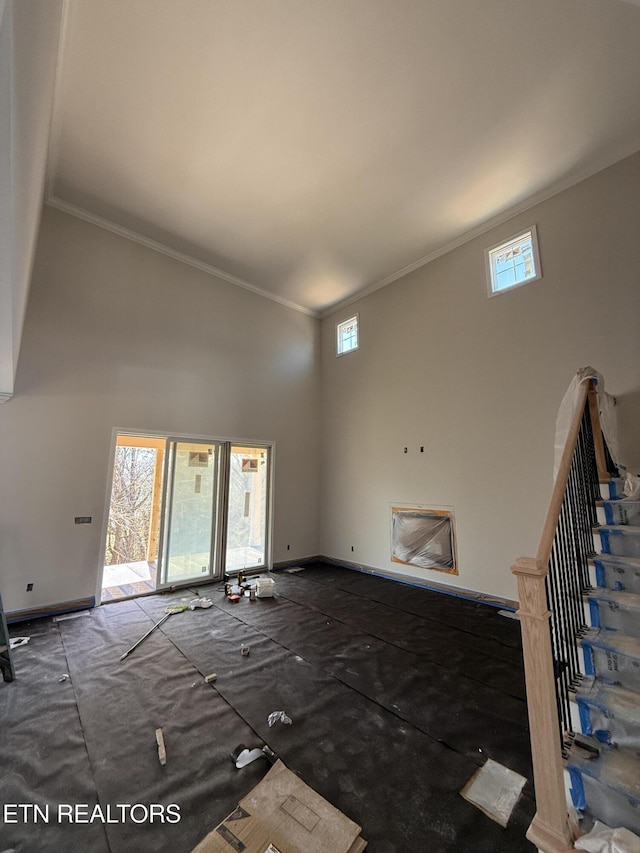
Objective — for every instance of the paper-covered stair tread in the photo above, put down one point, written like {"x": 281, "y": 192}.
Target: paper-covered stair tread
{"x": 607, "y": 784}
{"x": 283, "y": 815}
{"x": 621, "y": 511}
{"x": 621, "y": 540}
{"x": 610, "y": 713}
{"x": 615, "y": 610}
{"x": 612, "y": 656}
{"x": 619, "y": 573}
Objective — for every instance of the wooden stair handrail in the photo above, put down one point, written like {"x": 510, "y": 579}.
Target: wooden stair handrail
{"x": 550, "y": 830}
{"x": 562, "y": 477}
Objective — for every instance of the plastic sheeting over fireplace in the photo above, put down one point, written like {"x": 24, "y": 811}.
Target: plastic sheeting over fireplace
{"x": 423, "y": 537}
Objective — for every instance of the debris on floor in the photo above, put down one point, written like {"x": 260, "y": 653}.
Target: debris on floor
{"x": 603, "y": 839}
{"x": 177, "y": 608}
{"x": 245, "y": 651}
{"x": 144, "y": 637}
{"x": 200, "y": 602}
{"x": 495, "y": 790}
{"x": 509, "y": 614}
{"x": 211, "y": 677}
{"x": 282, "y": 813}
{"x": 242, "y": 755}
{"x": 64, "y": 677}
{"x": 278, "y": 717}
{"x": 264, "y": 587}
{"x": 16, "y": 642}
{"x": 63, "y": 617}
{"x": 162, "y": 752}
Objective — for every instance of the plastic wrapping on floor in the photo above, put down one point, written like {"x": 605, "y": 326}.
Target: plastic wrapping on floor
{"x": 441, "y": 610}
{"x": 368, "y": 733}
{"x": 400, "y": 672}
{"x": 44, "y": 757}
{"x": 604, "y": 839}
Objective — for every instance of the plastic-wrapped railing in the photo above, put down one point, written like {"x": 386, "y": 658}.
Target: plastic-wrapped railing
{"x": 550, "y": 590}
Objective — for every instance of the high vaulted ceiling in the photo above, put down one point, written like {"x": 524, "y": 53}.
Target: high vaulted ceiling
{"x": 313, "y": 149}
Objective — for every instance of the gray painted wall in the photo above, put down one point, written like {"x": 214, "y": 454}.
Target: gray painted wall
{"x": 478, "y": 382}
{"x": 118, "y": 335}
{"x": 28, "y": 52}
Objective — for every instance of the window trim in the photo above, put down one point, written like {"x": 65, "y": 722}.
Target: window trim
{"x": 519, "y": 235}
{"x": 345, "y": 322}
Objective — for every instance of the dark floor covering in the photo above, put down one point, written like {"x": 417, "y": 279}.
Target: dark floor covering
{"x": 397, "y": 695}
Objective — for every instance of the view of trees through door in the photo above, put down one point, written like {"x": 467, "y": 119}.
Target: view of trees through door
{"x": 131, "y": 550}
{"x": 134, "y": 561}
{"x": 131, "y": 496}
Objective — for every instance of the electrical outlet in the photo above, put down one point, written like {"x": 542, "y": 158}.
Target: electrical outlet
{"x": 83, "y": 519}
{"x": 406, "y": 450}
{"x": 422, "y": 448}
{"x": 29, "y": 587}
{"x": 352, "y": 548}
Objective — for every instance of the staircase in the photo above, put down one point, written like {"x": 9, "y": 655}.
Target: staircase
{"x": 604, "y": 758}
{"x": 580, "y": 619}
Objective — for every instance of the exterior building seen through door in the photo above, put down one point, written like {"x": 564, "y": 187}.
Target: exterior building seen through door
{"x": 246, "y": 536}
{"x": 184, "y": 510}
{"x": 191, "y": 513}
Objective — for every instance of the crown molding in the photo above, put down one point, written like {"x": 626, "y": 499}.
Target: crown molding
{"x": 163, "y": 249}
{"x": 55, "y": 125}
{"x": 558, "y": 187}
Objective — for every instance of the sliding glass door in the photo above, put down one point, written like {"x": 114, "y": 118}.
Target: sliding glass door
{"x": 248, "y": 507}
{"x": 192, "y": 512}
{"x": 216, "y": 510}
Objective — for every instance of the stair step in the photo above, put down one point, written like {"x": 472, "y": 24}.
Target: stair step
{"x": 615, "y": 611}
{"x": 619, "y": 539}
{"x": 606, "y": 783}
{"x": 613, "y": 489}
{"x": 619, "y": 573}
{"x": 612, "y": 657}
{"x": 609, "y": 713}
{"x": 625, "y": 511}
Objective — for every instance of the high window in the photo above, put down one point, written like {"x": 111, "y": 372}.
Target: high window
{"x": 513, "y": 262}
{"x": 347, "y": 335}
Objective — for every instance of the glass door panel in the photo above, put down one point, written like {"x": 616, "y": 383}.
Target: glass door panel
{"x": 191, "y": 512}
{"x": 248, "y": 512}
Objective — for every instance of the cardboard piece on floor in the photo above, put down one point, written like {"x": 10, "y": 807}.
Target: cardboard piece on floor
{"x": 495, "y": 790}
{"x": 283, "y": 814}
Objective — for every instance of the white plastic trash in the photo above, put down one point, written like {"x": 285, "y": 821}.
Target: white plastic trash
{"x": 603, "y": 839}
{"x": 264, "y": 587}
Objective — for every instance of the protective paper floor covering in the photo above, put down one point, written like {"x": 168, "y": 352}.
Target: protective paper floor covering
{"x": 397, "y": 696}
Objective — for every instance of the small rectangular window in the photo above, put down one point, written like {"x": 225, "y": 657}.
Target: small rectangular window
{"x": 514, "y": 262}
{"x": 347, "y": 335}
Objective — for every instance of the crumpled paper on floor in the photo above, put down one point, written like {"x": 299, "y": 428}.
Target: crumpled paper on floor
{"x": 603, "y": 839}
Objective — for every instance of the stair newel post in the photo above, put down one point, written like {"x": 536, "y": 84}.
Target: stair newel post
{"x": 549, "y": 830}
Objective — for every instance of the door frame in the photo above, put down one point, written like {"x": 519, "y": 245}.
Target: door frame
{"x": 226, "y": 443}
